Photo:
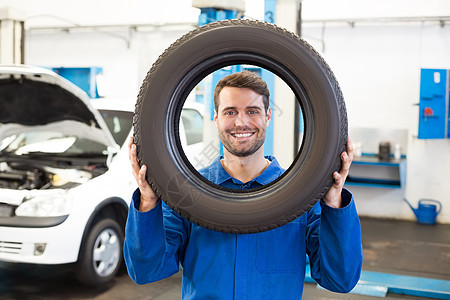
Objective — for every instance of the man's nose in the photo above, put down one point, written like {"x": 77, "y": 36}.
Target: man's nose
{"x": 240, "y": 120}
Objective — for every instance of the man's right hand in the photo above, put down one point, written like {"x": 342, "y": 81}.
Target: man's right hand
{"x": 148, "y": 197}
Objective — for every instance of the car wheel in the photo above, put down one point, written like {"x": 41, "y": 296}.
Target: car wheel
{"x": 181, "y": 67}
{"x": 101, "y": 254}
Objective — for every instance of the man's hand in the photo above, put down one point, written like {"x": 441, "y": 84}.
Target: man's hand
{"x": 333, "y": 196}
{"x": 148, "y": 196}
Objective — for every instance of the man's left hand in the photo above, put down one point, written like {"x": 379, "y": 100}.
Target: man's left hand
{"x": 333, "y": 196}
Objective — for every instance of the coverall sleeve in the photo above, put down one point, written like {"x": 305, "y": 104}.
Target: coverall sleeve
{"x": 333, "y": 241}
{"x": 153, "y": 243}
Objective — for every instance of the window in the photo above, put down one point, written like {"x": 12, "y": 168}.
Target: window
{"x": 119, "y": 123}
{"x": 193, "y": 125}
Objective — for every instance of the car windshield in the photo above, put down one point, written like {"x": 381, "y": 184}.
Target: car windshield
{"x": 50, "y": 142}
{"x": 119, "y": 123}
{"x": 193, "y": 125}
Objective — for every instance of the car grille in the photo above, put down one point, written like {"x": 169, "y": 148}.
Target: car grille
{"x": 10, "y": 247}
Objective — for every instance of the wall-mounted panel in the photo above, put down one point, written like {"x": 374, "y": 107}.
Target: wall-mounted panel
{"x": 434, "y": 106}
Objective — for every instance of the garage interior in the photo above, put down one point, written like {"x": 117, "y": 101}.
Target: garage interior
{"x": 391, "y": 61}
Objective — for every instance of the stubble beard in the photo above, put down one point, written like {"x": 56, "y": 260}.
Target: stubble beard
{"x": 243, "y": 153}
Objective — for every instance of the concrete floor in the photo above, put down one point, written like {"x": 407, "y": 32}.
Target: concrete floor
{"x": 396, "y": 247}
{"x": 55, "y": 283}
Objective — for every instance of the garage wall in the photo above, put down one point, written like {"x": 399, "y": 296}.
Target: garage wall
{"x": 125, "y": 63}
{"x": 376, "y": 63}
{"x": 123, "y": 50}
{"x": 378, "y": 67}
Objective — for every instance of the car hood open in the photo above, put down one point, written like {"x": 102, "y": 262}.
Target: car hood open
{"x": 32, "y": 97}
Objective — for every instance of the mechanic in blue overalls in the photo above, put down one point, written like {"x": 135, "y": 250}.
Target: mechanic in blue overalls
{"x": 266, "y": 265}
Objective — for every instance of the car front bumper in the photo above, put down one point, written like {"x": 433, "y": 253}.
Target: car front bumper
{"x": 41, "y": 245}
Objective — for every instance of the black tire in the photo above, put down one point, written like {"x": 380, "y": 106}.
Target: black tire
{"x": 106, "y": 239}
{"x": 179, "y": 69}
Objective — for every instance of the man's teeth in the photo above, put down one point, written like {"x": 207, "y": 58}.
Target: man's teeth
{"x": 239, "y": 135}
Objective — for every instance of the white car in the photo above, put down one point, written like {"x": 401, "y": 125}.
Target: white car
{"x": 65, "y": 178}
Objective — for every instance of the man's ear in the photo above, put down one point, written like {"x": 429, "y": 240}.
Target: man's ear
{"x": 215, "y": 117}
{"x": 268, "y": 116}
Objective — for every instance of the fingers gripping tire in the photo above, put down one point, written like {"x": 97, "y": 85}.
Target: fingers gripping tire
{"x": 179, "y": 69}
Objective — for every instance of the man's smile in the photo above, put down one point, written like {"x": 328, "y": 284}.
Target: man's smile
{"x": 242, "y": 134}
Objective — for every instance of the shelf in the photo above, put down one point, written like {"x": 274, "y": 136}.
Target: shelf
{"x": 368, "y": 170}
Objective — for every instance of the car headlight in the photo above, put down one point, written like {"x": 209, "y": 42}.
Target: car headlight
{"x": 45, "y": 206}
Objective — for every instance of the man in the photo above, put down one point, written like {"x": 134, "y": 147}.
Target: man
{"x": 266, "y": 265}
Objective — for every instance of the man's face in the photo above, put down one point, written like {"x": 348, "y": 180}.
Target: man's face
{"x": 241, "y": 120}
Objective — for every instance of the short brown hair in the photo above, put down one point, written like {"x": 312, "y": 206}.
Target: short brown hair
{"x": 244, "y": 79}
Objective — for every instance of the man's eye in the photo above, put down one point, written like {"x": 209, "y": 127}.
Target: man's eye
{"x": 253, "y": 112}
{"x": 230, "y": 113}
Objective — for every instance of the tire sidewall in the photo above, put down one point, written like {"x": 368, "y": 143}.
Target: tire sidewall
{"x": 176, "y": 181}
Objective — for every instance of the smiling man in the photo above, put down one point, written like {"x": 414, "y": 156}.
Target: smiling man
{"x": 266, "y": 265}
{"x": 242, "y": 115}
